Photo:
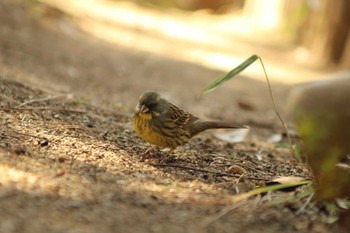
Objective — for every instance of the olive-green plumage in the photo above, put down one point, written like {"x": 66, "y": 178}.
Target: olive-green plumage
{"x": 161, "y": 123}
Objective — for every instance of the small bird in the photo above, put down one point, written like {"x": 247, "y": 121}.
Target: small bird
{"x": 163, "y": 124}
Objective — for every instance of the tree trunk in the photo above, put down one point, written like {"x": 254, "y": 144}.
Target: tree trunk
{"x": 326, "y": 31}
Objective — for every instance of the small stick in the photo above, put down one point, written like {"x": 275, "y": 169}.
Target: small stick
{"x": 206, "y": 171}
{"x": 24, "y": 134}
{"x": 38, "y": 100}
{"x": 307, "y": 202}
{"x": 44, "y": 108}
{"x": 9, "y": 99}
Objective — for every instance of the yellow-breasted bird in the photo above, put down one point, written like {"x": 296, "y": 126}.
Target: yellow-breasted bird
{"x": 163, "y": 124}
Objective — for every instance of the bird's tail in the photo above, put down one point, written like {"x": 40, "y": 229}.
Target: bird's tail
{"x": 205, "y": 125}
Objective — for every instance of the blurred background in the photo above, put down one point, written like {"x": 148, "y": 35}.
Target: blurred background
{"x": 319, "y": 27}
{"x": 300, "y": 34}
{"x": 109, "y": 52}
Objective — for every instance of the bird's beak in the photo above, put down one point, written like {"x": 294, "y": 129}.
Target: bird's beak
{"x": 144, "y": 109}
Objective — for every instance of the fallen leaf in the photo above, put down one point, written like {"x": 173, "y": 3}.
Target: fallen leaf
{"x": 287, "y": 179}
{"x": 343, "y": 203}
{"x": 235, "y": 169}
{"x": 234, "y": 136}
{"x": 275, "y": 138}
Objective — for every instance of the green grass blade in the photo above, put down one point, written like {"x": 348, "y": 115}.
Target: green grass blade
{"x": 265, "y": 189}
{"x": 230, "y": 74}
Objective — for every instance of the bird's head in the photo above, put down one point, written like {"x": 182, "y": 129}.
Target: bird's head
{"x": 150, "y": 102}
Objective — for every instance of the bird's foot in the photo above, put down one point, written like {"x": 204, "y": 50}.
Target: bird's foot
{"x": 149, "y": 153}
{"x": 166, "y": 157}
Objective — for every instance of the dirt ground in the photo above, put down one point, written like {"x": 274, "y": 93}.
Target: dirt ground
{"x": 69, "y": 158}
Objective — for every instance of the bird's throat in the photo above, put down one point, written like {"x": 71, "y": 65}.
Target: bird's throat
{"x": 146, "y": 116}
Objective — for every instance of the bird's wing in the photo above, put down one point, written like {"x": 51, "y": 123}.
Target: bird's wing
{"x": 180, "y": 117}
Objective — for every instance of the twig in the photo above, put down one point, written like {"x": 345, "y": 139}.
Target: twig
{"x": 23, "y": 134}
{"x": 9, "y": 99}
{"x": 43, "y": 108}
{"x": 302, "y": 208}
{"x": 38, "y": 100}
{"x": 251, "y": 168}
{"x": 206, "y": 171}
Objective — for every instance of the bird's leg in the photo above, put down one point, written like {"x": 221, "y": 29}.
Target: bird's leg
{"x": 166, "y": 156}
{"x": 148, "y": 152}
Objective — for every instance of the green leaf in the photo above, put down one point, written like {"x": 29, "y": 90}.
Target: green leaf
{"x": 230, "y": 74}
{"x": 265, "y": 189}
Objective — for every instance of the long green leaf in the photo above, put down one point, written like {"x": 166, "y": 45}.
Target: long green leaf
{"x": 265, "y": 189}
{"x": 230, "y": 74}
